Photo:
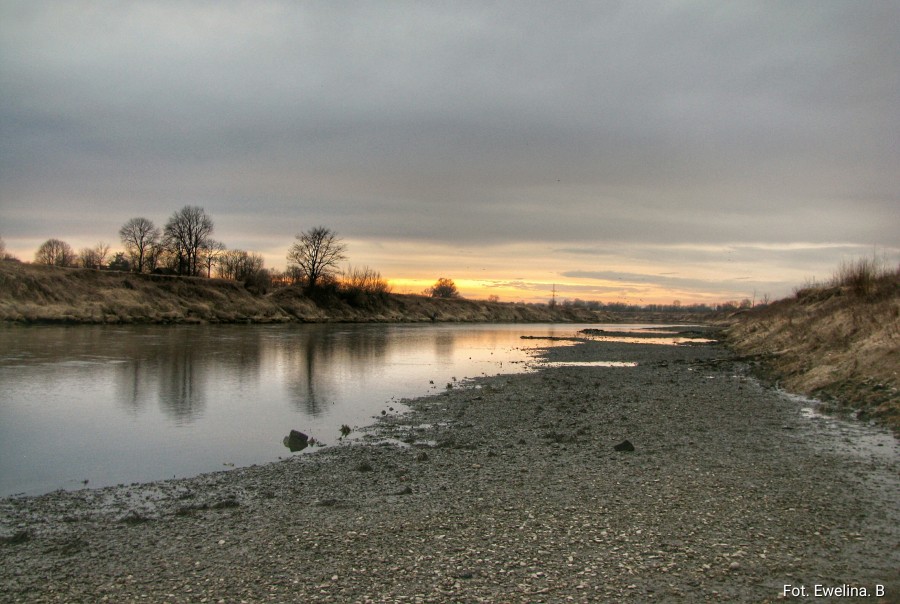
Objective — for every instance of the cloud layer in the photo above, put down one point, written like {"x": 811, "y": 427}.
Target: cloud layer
{"x": 562, "y": 124}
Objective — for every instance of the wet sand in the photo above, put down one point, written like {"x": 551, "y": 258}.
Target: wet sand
{"x": 506, "y": 490}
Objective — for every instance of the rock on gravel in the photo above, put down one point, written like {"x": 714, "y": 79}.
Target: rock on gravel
{"x": 508, "y": 489}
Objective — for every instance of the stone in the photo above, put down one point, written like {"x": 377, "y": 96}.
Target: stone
{"x": 296, "y": 441}
{"x": 625, "y": 445}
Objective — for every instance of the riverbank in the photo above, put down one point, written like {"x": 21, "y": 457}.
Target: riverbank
{"x": 32, "y": 293}
{"x": 837, "y": 343}
{"x": 507, "y": 490}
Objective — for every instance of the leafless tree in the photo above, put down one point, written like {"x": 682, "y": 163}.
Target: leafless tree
{"x": 315, "y": 255}
{"x": 211, "y": 253}
{"x": 246, "y": 268}
{"x": 94, "y": 257}
{"x": 443, "y": 288}
{"x": 187, "y": 232}
{"x": 140, "y": 238}
{"x": 239, "y": 265}
{"x": 54, "y": 252}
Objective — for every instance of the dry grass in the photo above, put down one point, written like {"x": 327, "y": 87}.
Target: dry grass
{"x": 32, "y": 293}
{"x": 838, "y": 342}
{"x": 864, "y": 276}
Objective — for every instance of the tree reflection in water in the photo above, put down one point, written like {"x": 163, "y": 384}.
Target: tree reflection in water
{"x": 319, "y": 359}
{"x": 125, "y": 403}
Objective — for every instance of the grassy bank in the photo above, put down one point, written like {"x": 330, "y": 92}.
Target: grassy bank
{"x": 837, "y": 342}
{"x": 44, "y": 294}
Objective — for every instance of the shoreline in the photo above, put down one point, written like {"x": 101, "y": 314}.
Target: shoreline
{"x": 506, "y": 490}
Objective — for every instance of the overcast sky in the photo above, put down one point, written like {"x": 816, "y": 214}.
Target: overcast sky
{"x": 619, "y": 150}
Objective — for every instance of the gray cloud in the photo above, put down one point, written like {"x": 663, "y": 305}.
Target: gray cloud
{"x": 657, "y": 123}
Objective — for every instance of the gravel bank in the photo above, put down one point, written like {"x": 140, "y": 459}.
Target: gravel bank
{"x": 509, "y": 490}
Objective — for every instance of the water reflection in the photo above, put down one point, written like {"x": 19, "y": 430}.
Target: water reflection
{"x": 173, "y": 368}
{"x": 182, "y": 395}
{"x": 443, "y": 346}
{"x": 317, "y": 360}
{"x": 120, "y": 404}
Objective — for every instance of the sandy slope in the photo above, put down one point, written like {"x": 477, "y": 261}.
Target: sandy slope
{"x": 831, "y": 343}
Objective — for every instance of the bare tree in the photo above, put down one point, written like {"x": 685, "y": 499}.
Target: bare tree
{"x": 87, "y": 258}
{"x": 187, "y": 232}
{"x": 102, "y": 251}
{"x": 140, "y": 238}
{"x": 94, "y": 257}
{"x": 315, "y": 255}
{"x": 239, "y": 265}
{"x": 54, "y": 252}
{"x": 443, "y": 288}
{"x": 246, "y": 268}
{"x": 210, "y": 254}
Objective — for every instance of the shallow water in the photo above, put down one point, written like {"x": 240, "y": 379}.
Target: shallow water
{"x": 591, "y": 364}
{"x": 111, "y": 405}
{"x": 664, "y": 335}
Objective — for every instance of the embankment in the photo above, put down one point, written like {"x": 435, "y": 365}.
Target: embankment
{"x": 44, "y": 294}
{"x": 835, "y": 343}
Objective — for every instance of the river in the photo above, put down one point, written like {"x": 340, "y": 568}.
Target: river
{"x": 84, "y": 406}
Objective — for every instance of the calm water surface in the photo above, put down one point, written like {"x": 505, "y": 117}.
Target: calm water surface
{"x": 117, "y": 405}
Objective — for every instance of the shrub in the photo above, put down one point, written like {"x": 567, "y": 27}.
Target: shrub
{"x": 862, "y": 275}
{"x": 443, "y": 288}
{"x": 362, "y": 284}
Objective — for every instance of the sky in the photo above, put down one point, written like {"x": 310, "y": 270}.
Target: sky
{"x": 639, "y": 152}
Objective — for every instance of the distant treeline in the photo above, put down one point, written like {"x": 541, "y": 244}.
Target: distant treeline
{"x": 675, "y": 307}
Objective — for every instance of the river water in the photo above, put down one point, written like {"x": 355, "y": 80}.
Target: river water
{"x": 85, "y": 406}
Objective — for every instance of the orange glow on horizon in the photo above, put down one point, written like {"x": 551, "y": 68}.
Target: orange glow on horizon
{"x": 543, "y": 292}
{"x": 531, "y": 272}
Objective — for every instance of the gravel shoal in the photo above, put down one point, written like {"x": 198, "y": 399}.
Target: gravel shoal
{"x": 508, "y": 489}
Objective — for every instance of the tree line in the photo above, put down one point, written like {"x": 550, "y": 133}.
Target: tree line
{"x": 185, "y": 246}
